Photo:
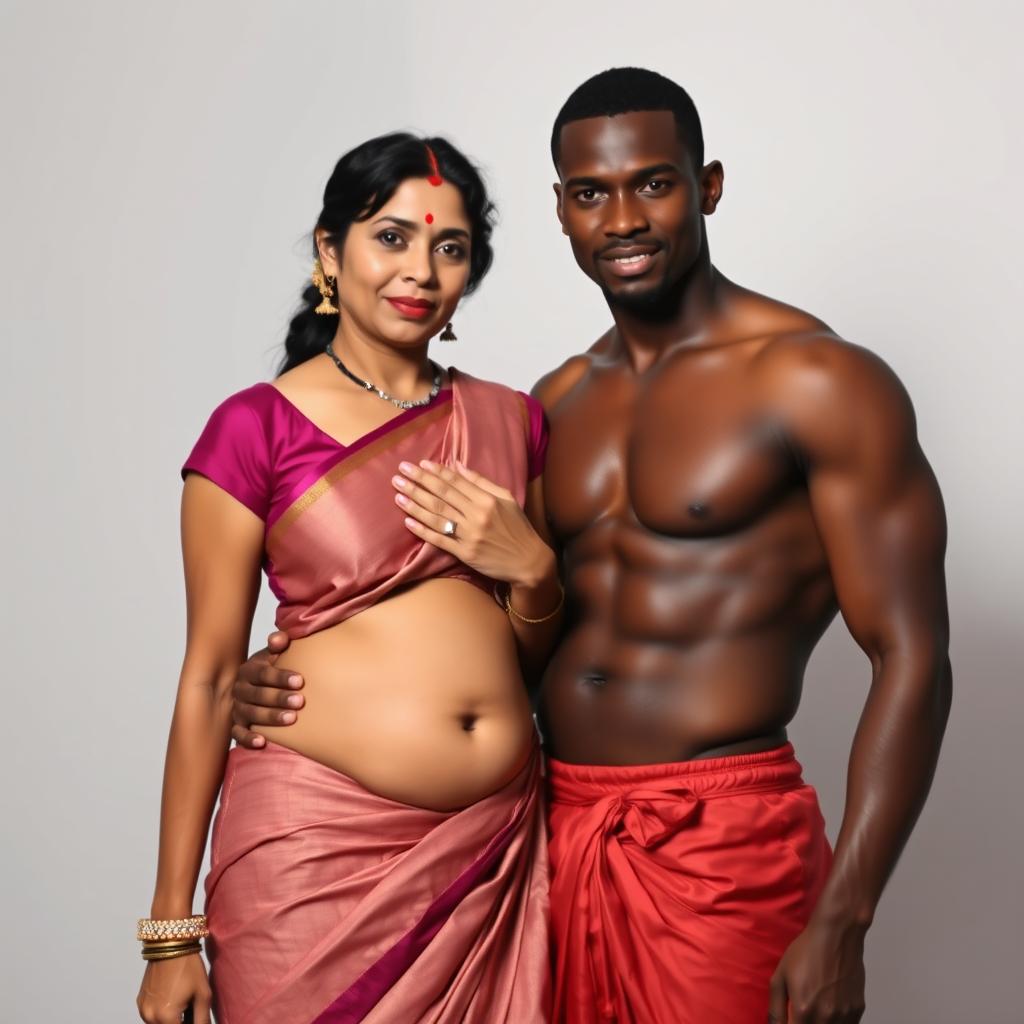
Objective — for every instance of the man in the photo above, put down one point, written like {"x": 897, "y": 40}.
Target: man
{"x": 724, "y": 474}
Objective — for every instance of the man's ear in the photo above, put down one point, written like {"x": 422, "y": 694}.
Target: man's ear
{"x": 558, "y": 205}
{"x": 712, "y": 179}
{"x": 330, "y": 258}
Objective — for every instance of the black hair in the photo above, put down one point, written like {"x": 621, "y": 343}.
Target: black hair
{"x": 626, "y": 91}
{"x": 362, "y": 181}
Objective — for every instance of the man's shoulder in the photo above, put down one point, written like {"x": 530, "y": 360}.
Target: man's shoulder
{"x": 811, "y": 376}
{"x": 814, "y": 359}
{"x": 833, "y": 397}
{"x": 554, "y": 386}
{"x": 794, "y": 345}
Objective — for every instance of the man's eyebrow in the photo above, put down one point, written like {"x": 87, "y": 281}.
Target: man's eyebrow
{"x": 640, "y": 175}
{"x": 650, "y": 172}
{"x": 576, "y": 182}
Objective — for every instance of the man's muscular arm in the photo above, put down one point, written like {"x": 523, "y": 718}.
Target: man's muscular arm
{"x": 880, "y": 517}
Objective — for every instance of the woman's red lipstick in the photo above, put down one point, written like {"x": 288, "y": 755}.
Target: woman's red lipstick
{"x": 415, "y": 308}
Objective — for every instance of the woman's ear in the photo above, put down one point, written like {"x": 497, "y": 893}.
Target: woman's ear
{"x": 330, "y": 258}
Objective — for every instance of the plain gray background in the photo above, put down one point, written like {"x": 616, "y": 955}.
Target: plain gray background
{"x": 162, "y": 164}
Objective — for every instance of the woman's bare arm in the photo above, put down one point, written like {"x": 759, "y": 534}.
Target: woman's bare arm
{"x": 536, "y": 640}
{"x": 222, "y": 543}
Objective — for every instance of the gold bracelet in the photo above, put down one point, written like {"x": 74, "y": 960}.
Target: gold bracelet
{"x": 193, "y": 927}
{"x": 522, "y": 618}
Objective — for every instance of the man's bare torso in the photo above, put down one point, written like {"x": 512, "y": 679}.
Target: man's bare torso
{"x": 698, "y": 584}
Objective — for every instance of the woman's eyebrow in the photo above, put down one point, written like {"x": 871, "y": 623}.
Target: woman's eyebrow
{"x": 412, "y": 226}
{"x": 407, "y": 224}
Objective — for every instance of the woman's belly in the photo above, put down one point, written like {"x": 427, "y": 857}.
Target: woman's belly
{"x": 419, "y": 698}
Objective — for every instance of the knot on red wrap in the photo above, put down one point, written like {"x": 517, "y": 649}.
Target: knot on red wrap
{"x": 650, "y": 816}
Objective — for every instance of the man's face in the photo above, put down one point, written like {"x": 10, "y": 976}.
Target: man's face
{"x": 630, "y": 201}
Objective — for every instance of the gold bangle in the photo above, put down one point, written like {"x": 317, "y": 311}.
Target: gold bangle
{"x": 193, "y": 927}
{"x": 149, "y": 954}
{"x": 522, "y": 618}
{"x": 171, "y": 954}
{"x": 169, "y": 944}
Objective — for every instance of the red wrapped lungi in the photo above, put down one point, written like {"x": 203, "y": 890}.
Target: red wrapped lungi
{"x": 676, "y": 888}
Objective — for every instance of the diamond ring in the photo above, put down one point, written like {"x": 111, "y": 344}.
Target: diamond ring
{"x": 449, "y": 528}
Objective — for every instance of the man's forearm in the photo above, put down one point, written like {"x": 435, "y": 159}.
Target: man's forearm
{"x": 892, "y": 764}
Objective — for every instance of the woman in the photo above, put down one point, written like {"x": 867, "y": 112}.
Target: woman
{"x": 383, "y": 859}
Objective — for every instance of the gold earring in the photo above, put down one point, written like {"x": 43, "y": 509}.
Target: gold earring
{"x": 448, "y": 334}
{"x": 325, "y": 285}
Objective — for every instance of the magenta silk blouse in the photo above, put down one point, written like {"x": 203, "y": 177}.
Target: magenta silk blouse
{"x": 335, "y": 542}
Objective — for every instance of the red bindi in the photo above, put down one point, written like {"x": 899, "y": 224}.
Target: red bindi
{"x": 435, "y": 179}
{"x": 429, "y": 218}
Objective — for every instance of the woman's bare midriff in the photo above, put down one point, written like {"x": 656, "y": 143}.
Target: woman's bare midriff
{"x": 419, "y": 698}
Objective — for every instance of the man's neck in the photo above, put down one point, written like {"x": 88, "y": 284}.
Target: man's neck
{"x": 686, "y": 316}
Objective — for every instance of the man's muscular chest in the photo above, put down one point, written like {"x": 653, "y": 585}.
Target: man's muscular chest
{"x": 689, "y": 450}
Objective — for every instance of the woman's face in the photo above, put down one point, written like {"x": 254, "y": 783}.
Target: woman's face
{"x": 403, "y": 271}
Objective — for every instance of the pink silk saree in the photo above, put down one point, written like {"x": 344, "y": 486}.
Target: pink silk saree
{"x": 330, "y": 904}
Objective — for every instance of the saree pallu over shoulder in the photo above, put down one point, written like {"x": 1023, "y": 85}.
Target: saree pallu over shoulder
{"x": 340, "y": 545}
{"x": 347, "y": 906}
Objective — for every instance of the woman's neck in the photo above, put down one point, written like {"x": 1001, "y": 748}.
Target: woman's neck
{"x": 401, "y": 372}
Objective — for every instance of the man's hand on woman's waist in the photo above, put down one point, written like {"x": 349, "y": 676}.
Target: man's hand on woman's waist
{"x": 264, "y": 694}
